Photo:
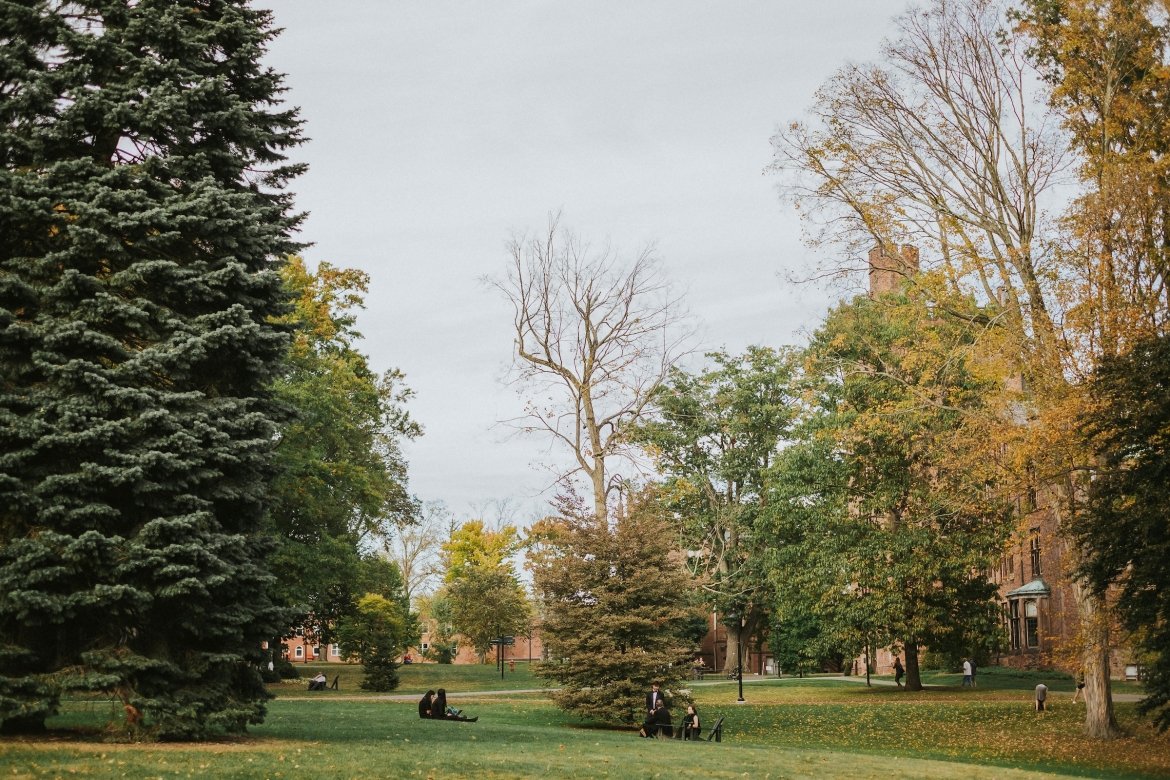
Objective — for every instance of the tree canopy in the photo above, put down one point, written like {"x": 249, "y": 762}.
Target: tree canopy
{"x": 616, "y": 609}
{"x": 144, "y": 215}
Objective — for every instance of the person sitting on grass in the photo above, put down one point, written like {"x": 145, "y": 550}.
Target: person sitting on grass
{"x": 424, "y": 704}
{"x": 440, "y": 710}
{"x": 318, "y": 682}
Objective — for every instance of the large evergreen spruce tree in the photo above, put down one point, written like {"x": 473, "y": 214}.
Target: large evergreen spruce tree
{"x": 141, "y": 212}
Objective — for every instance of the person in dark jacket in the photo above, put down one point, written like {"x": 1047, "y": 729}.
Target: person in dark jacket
{"x": 690, "y": 723}
{"x": 657, "y": 722}
{"x": 424, "y": 704}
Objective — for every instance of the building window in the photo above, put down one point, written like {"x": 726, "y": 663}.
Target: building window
{"x": 1035, "y": 548}
{"x": 299, "y": 652}
{"x": 1014, "y": 622}
{"x": 1031, "y": 624}
{"x": 424, "y": 646}
{"x": 334, "y": 650}
{"x": 317, "y": 651}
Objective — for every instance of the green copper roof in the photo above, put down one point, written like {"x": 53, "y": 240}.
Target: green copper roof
{"x": 1036, "y": 587}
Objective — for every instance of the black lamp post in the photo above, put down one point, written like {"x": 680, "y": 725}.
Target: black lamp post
{"x": 739, "y": 656}
{"x": 737, "y": 619}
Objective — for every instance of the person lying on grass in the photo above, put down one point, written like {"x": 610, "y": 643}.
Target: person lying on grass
{"x": 441, "y": 711}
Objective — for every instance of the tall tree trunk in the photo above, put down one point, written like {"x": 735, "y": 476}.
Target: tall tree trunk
{"x": 913, "y": 675}
{"x": 1094, "y": 620}
{"x": 734, "y": 655}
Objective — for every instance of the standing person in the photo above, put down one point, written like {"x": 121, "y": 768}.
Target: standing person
{"x": 898, "y": 671}
{"x": 690, "y": 723}
{"x": 1041, "y": 696}
{"x": 653, "y": 699}
{"x": 424, "y": 704}
{"x": 966, "y": 673}
{"x": 1080, "y": 687}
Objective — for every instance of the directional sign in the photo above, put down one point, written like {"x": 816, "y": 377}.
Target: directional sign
{"x": 504, "y": 640}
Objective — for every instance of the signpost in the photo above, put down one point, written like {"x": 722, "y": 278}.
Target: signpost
{"x": 499, "y": 642}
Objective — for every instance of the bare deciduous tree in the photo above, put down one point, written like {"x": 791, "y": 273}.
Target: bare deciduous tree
{"x": 415, "y": 547}
{"x": 593, "y": 337}
{"x": 946, "y": 144}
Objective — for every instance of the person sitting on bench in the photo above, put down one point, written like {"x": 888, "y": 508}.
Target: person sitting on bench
{"x": 318, "y": 682}
{"x": 441, "y": 711}
{"x": 658, "y": 723}
{"x": 690, "y": 723}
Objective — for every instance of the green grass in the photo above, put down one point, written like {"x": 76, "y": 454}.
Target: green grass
{"x": 787, "y": 728}
{"x": 1001, "y": 678}
{"x": 415, "y": 679}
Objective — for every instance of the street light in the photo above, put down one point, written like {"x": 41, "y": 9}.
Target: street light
{"x": 739, "y": 656}
{"x": 738, "y": 620}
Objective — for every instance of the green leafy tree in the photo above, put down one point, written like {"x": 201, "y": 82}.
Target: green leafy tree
{"x": 143, "y": 215}
{"x": 616, "y": 609}
{"x": 713, "y": 435}
{"x": 902, "y": 404}
{"x": 1126, "y": 536}
{"x": 488, "y": 602}
{"x": 375, "y": 633}
{"x": 485, "y": 597}
{"x": 341, "y": 478}
{"x": 435, "y": 614}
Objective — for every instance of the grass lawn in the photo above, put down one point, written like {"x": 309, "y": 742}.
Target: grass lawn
{"x": 416, "y": 678}
{"x": 787, "y": 728}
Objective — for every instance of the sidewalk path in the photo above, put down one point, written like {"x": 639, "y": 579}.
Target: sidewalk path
{"x": 749, "y": 680}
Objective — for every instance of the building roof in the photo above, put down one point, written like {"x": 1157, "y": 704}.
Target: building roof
{"x": 1037, "y": 587}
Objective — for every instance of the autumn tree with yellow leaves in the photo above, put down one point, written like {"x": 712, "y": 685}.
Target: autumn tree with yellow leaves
{"x": 955, "y": 142}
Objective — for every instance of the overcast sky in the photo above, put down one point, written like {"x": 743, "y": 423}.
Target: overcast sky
{"x": 440, "y": 129}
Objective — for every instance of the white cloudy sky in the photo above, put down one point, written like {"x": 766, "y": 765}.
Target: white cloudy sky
{"x": 441, "y": 128}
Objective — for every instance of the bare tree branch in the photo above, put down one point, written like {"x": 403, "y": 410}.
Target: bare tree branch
{"x": 593, "y": 337}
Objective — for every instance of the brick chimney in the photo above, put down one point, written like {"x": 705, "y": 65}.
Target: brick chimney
{"x": 890, "y": 266}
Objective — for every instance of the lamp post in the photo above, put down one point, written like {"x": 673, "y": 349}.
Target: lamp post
{"x": 739, "y": 656}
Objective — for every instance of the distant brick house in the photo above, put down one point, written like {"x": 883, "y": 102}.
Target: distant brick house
{"x": 297, "y": 650}
{"x": 524, "y": 648}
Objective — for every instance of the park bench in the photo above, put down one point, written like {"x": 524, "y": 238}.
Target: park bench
{"x": 668, "y": 731}
{"x": 716, "y": 732}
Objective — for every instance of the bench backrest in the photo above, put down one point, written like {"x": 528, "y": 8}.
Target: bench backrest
{"x": 716, "y": 731}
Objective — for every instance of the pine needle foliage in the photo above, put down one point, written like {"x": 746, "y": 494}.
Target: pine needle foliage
{"x": 615, "y": 608}
{"x": 142, "y": 204}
